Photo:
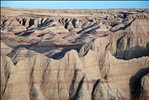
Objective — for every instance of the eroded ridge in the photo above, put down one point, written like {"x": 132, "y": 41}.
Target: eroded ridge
{"x": 74, "y": 54}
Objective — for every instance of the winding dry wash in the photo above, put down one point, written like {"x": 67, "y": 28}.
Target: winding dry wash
{"x": 74, "y": 54}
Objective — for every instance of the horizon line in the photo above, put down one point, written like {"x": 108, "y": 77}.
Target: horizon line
{"x": 69, "y": 8}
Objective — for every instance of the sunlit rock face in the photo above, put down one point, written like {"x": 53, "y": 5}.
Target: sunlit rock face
{"x": 74, "y": 54}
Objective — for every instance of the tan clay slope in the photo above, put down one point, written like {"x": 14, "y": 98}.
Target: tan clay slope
{"x": 144, "y": 88}
{"x": 4, "y": 49}
{"x": 22, "y": 24}
{"x": 125, "y": 44}
{"x": 125, "y": 74}
{"x": 70, "y": 77}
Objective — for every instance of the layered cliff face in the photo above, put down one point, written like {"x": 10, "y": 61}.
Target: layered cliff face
{"x": 89, "y": 57}
{"x": 72, "y": 77}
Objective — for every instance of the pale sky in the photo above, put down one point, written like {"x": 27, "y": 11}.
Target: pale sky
{"x": 76, "y": 4}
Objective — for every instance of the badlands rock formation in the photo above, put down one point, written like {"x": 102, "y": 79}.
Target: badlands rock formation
{"x": 145, "y": 87}
{"x": 74, "y": 54}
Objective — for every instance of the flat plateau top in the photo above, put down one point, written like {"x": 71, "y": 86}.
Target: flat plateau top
{"x": 67, "y": 12}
